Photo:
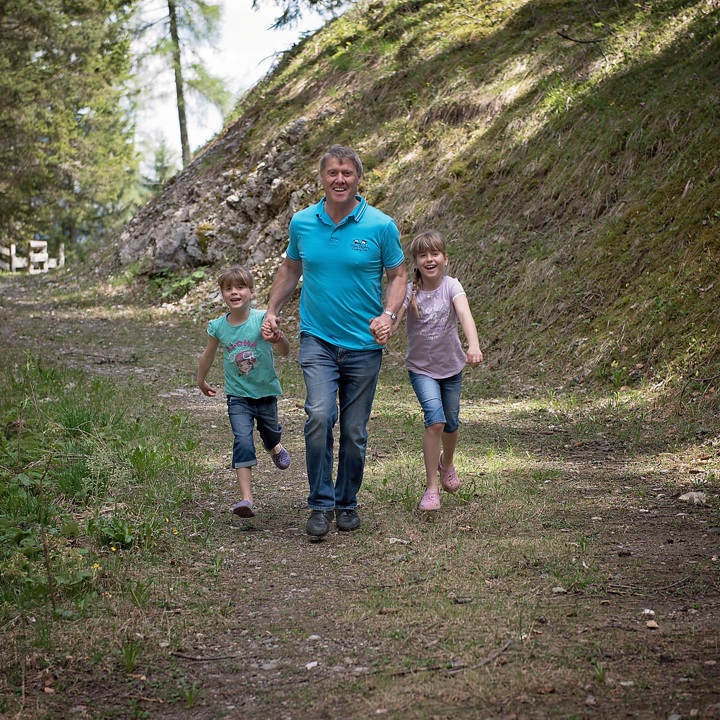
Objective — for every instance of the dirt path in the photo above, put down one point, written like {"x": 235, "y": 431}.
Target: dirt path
{"x": 528, "y": 596}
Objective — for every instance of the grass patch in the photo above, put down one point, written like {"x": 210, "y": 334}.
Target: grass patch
{"x": 93, "y": 487}
{"x": 529, "y": 582}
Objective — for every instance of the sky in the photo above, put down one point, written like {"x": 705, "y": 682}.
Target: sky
{"x": 243, "y": 55}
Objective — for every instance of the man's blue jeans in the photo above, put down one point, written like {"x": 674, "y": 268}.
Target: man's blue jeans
{"x": 335, "y": 375}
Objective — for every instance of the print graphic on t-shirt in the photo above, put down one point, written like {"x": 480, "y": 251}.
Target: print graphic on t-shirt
{"x": 245, "y": 361}
{"x": 435, "y": 318}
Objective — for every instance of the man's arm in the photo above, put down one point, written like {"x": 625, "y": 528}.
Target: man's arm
{"x": 286, "y": 280}
{"x": 395, "y": 289}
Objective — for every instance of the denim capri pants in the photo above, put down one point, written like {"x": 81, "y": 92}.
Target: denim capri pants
{"x": 439, "y": 399}
{"x": 243, "y": 413}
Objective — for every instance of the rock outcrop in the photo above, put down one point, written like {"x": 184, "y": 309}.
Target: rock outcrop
{"x": 240, "y": 214}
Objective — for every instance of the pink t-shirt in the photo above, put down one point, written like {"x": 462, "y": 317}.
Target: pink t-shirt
{"x": 434, "y": 346}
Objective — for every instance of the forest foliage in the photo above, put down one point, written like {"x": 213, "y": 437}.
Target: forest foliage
{"x": 67, "y": 158}
{"x": 71, "y": 73}
{"x": 70, "y": 80}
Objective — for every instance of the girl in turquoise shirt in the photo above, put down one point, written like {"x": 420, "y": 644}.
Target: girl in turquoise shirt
{"x": 251, "y": 383}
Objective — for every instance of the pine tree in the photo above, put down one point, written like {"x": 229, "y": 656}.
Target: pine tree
{"x": 67, "y": 156}
{"x": 164, "y": 166}
{"x": 291, "y": 10}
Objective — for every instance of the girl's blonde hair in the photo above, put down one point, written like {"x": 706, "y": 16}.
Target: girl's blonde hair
{"x": 236, "y": 275}
{"x": 424, "y": 242}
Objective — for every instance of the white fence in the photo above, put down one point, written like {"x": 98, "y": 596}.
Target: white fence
{"x": 32, "y": 257}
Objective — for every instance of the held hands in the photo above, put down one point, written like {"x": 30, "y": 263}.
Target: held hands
{"x": 270, "y": 329}
{"x": 473, "y": 356}
{"x": 275, "y": 336}
{"x": 271, "y": 332}
{"x": 381, "y": 328}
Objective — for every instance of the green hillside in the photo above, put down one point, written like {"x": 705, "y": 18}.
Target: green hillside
{"x": 568, "y": 152}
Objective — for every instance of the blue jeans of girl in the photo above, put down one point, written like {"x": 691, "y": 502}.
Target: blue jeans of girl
{"x": 440, "y": 399}
{"x": 244, "y": 412}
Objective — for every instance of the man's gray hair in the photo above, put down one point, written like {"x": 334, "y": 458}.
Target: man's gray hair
{"x": 339, "y": 152}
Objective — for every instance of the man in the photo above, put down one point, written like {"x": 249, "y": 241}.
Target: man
{"x": 341, "y": 247}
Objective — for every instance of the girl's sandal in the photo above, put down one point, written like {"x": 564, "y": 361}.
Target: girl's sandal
{"x": 430, "y": 500}
{"x": 448, "y": 477}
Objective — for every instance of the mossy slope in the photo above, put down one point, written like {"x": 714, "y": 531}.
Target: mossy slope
{"x": 569, "y": 155}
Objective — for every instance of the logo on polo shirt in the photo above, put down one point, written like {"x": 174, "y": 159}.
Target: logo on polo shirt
{"x": 360, "y": 245}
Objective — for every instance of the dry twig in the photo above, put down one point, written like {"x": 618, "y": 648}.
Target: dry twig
{"x": 454, "y": 669}
{"x": 575, "y": 40}
{"x": 206, "y": 658}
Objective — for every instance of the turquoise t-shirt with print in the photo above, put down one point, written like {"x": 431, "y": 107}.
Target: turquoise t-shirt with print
{"x": 248, "y": 359}
{"x": 343, "y": 267}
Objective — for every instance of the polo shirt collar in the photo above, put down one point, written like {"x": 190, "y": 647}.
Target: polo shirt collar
{"x": 355, "y": 215}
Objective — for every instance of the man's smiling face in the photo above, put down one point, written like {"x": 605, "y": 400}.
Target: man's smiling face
{"x": 340, "y": 180}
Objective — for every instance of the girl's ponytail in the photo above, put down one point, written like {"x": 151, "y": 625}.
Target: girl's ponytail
{"x": 416, "y": 287}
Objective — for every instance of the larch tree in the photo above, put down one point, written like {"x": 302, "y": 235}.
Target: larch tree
{"x": 175, "y": 33}
{"x": 292, "y": 10}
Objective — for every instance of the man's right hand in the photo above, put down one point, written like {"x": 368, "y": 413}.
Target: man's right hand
{"x": 270, "y": 327}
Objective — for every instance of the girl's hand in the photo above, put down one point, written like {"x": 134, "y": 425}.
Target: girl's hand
{"x": 274, "y": 336}
{"x": 270, "y": 328}
{"x": 207, "y": 389}
{"x": 474, "y": 357}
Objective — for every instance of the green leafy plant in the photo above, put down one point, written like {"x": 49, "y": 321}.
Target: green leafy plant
{"x": 189, "y": 691}
{"x": 130, "y": 649}
{"x": 172, "y": 286}
{"x": 140, "y": 590}
{"x": 113, "y": 531}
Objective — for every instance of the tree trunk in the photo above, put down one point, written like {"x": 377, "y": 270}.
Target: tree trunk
{"x": 179, "y": 88}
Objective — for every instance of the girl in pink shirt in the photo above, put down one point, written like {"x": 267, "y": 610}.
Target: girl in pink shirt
{"x": 435, "y": 358}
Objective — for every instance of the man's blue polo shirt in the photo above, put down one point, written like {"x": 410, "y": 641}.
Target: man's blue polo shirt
{"x": 343, "y": 267}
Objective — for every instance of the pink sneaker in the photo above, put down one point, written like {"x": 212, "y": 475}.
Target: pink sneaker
{"x": 448, "y": 477}
{"x": 430, "y": 500}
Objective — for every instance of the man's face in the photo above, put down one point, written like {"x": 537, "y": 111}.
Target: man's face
{"x": 340, "y": 180}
